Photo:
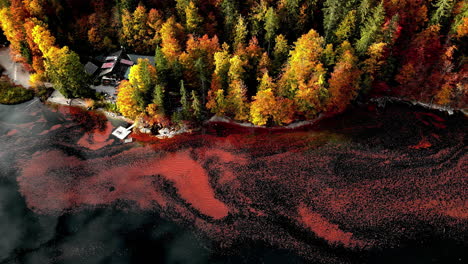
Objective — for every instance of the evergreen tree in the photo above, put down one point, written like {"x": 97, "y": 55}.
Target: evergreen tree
{"x": 280, "y": 53}
{"x": 193, "y": 20}
{"x": 162, "y": 67}
{"x": 184, "y": 101}
{"x": 460, "y": 23}
{"x": 363, "y": 10}
{"x": 128, "y": 5}
{"x": 271, "y": 25}
{"x": 333, "y": 13}
{"x": 346, "y": 28}
{"x": 229, "y": 9}
{"x": 196, "y": 106}
{"x": 158, "y": 98}
{"x": 443, "y": 11}
{"x": 181, "y": 7}
{"x": 240, "y": 33}
{"x": 372, "y": 29}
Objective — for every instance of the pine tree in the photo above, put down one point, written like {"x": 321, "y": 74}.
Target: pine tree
{"x": 371, "y": 29}
{"x": 158, "y": 98}
{"x": 184, "y": 101}
{"x": 363, "y": 10}
{"x": 271, "y": 25}
{"x": 128, "y": 5}
{"x": 280, "y": 53}
{"x": 459, "y": 26}
{"x": 443, "y": 11}
{"x": 193, "y": 20}
{"x": 196, "y": 106}
{"x": 240, "y": 33}
{"x": 181, "y": 6}
{"x": 229, "y": 9}
{"x": 345, "y": 30}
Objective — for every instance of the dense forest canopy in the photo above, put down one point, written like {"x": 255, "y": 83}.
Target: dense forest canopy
{"x": 264, "y": 61}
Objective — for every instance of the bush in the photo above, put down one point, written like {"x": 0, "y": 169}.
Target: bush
{"x": 13, "y": 94}
{"x": 111, "y": 107}
{"x": 43, "y": 92}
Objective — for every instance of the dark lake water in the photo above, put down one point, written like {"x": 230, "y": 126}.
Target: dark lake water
{"x": 374, "y": 185}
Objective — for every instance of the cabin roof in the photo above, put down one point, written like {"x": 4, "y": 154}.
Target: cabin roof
{"x": 91, "y": 68}
{"x": 135, "y": 57}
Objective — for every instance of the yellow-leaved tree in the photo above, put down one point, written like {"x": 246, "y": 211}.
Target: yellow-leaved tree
{"x": 126, "y": 102}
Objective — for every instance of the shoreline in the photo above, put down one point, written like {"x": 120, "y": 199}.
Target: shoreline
{"x": 382, "y": 101}
{"x": 171, "y": 132}
{"x": 58, "y": 99}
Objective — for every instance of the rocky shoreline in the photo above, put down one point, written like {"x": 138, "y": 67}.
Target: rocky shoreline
{"x": 382, "y": 101}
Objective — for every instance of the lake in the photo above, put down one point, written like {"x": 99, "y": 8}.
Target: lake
{"x": 373, "y": 185}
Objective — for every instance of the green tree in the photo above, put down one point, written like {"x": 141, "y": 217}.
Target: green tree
{"x": 184, "y": 101}
{"x": 346, "y": 28}
{"x": 196, "y": 106}
{"x": 229, "y": 9}
{"x": 280, "y": 53}
{"x": 271, "y": 25}
{"x": 363, "y": 10}
{"x": 66, "y": 73}
{"x": 158, "y": 98}
{"x": 460, "y": 22}
{"x": 443, "y": 11}
{"x": 181, "y": 6}
{"x": 128, "y": 5}
{"x": 162, "y": 67}
{"x": 371, "y": 29}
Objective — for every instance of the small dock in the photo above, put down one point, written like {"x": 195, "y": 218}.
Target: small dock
{"x": 122, "y": 132}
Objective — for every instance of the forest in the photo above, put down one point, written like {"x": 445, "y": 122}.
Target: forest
{"x": 260, "y": 61}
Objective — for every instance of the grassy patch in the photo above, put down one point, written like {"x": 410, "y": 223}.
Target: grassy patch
{"x": 13, "y": 94}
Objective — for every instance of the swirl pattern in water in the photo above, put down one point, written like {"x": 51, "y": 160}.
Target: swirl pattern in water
{"x": 371, "y": 185}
